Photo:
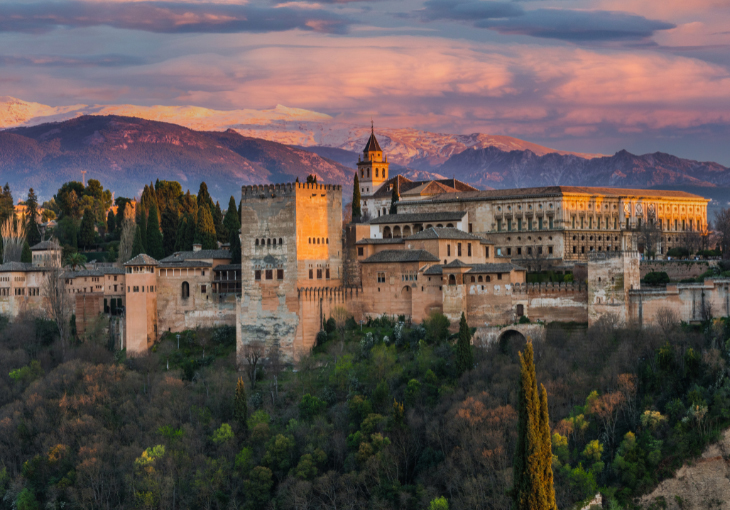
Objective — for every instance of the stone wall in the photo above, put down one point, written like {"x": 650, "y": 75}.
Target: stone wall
{"x": 610, "y": 278}
{"x": 317, "y": 304}
{"x": 688, "y": 302}
{"x": 677, "y": 269}
{"x": 549, "y": 302}
{"x": 31, "y": 300}
{"x": 489, "y": 303}
{"x": 140, "y": 312}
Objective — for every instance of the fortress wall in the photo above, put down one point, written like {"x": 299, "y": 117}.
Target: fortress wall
{"x": 686, "y": 302}
{"x": 490, "y": 303}
{"x": 611, "y": 276}
{"x": 549, "y": 302}
{"x": 317, "y": 304}
{"x": 677, "y": 269}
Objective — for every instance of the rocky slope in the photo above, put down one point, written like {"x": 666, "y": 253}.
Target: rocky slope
{"x": 703, "y": 484}
{"x": 125, "y": 153}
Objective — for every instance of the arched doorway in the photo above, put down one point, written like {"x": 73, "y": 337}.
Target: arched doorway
{"x": 406, "y": 296}
{"x": 406, "y": 231}
{"x": 452, "y": 279}
{"x": 511, "y": 342}
{"x": 386, "y": 233}
{"x": 185, "y": 290}
{"x": 396, "y": 231}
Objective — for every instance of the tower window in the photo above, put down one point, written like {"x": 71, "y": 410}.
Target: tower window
{"x": 185, "y": 290}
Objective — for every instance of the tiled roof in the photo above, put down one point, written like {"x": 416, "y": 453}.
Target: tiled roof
{"x": 13, "y": 267}
{"x": 435, "y": 269}
{"x": 141, "y": 260}
{"x": 228, "y": 267}
{"x": 390, "y": 240}
{"x": 401, "y": 256}
{"x": 95, "y": 271}
{"x": 408, "y": 187}
{"x": 372, "y": 145}
{"x": 494, "y": 268}
{"x": 45, "y": 245}
{"x": 456, "y": 263}
{"x": 552, "y": 191}
{"x": 198, "y": 255}
{"x": 184, "y": 263}
{"x": 418, "y": 217}
{"x": 447, "y": 233}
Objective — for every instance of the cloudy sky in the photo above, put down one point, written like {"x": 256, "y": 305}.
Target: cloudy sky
{"x": 584, "y": 75}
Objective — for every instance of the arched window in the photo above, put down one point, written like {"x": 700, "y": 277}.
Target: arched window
{"x": 450, "y": 225}
{"x": 362, "y": 173}
{"x": 480, "y": 279}
{"x": 268, "y": 242}
{"x": 328, "y": 240}
{"x": 274, "y": 243}
{"x": 396, "y": 231}
{"x": 386, "y": 233}
{"x": 376, "y": 173}
{"x": 452, "y": 279}
{"x": 257, "y": 242}
{"x": 488, "y": 278}
{"x": 318, "y": 240}
{"x": 185, "y": 290}
{"x": 280, "y": 241}
{"x": 472, "y": 279}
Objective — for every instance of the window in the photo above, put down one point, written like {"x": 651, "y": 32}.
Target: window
{"x": 319, "y": 274}
{"x": 269, "y": 274}
{"x": 327, "y": 273}
{"x": 280, "y": 242}
{"x": 486, "y": 251}
{"x": 519, "y": 251}
{"x": 257, "y": 275}
{"x": 509, "y": 251}
{"x": 499, "y": 225}
{"x": 136, "y": 289}
{"x": 360, "y": 251}
{"x": 448, "y": 250}
{"x": 473, "y": 279}
{"x": 573, "y": 249}
{"x": 381, "y": 277}
{"x": 468, "y": 249}
{"x": 279, "y": 274}
{"x": 470, "y": 229}
{"x": 458, "y": 249}
{"x": 311, "y": 274}
{"x": 550, "y": 250}
{"x": 509, "y": 225}
{"x": 203, "y": 288}
{"x": 539, "y": 250}
{"x": 452, "y": 279}
{"x": 268, "y": 242}
{"x": 499, "y": 276}
{"x": 185, "y": 290}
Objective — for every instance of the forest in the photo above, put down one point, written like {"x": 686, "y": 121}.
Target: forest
{"x": 382, "y": 415}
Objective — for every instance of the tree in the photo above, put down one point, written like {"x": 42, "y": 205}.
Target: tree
{"x": 13, "y": 235}
{"x": 185, "y": 236}
{"x": 395, "y": 197}
{"x": 111, "y": 222}
{"x": 356, "y": 206}
{"x": 58, "y": 303}
{"x": 26, "y": 255}
{"x": 649, "y": 236}
{"x": 312, "y": 179}
{"x": 7, "y": 206}
{"x": 137, "y": 246}
{"x": 154, "y": 243}
{"x": 532, "y": 468}
{"x": 74, "y": 260}
{"x": 464, "y": 353}
{"x": 142, "y": 224}
{"x": 240, "y": 405}
{"x": 128, "y": 229}
{"x": 204, "y": 198}
{"x": 722, "y": 225}
{"x": 205, "y": 230}
{"x": 235, "y": 242}
{"x": 220, "y": 230}
{"x": 253, "y": 353}
{"x": 169, "y": 230}
{"x": 86, "y": 231}
{"x": 232, "y": 221}
{"x": 33, "y": 235}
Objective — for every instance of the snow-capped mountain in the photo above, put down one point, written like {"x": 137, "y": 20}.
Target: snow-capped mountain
{"x": 411, "y": 148}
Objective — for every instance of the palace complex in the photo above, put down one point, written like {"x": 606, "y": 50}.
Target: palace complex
{"x": 449, "y": 248}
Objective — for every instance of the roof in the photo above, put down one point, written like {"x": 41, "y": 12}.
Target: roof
{"x": 407, "y": 187}
{"x": 13, "y": 267}
{"x": 418, "y": 217}
{"x": 184, "y": 263}
{"x": 554, "y": 191}
{"x": 447, "y": 233}
{"x": 372, "y": 145}
{"x": 141, "y": 260}
{"x": 436, "y": 269}
{"x": 503, "y": 267}
{"x": 100, "y": 271}
{"x": 456, "y": 263}
{"x": 45, "y": 245}
{"x": 390, "y": 240}
{"x": 197, "y": 255}
{"x": 228, "y": 267}
{"x": 401, "y": 256}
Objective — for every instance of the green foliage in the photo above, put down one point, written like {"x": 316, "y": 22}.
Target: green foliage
{"x": 235, "y": 241}
{"x": 169, "y": 227}
{"x": 26, "y": 255}
{"x": 223, "y": 434}
{"x": 142, "y": 224}
{"x": 258, "y": 487}
{"x": 32, "y": 233}
{"x": 76, "y": 260}
{"x": 240, "y": 405}
{"x": 356, "y": 206}
{"x": 311, "y": 406}
{"x": 464, "y": 353}
{"x": 438, "y": 504}
{"x": 678, "y": 252}
{"x": 437, "y": 327}
{"x": 27, "y": 501}
{"x": 28, "y": 373}
{"x": 86, "y": 231}
{"x": 111, "y": 222}
{"x": 205, "y": 230}
{"x": 656, "y": 278}
{"x": 395, "y": 196}
{"x": 524, "y": 320}
{"x": 137, "y": 245}
{"x": 154, "y": 244}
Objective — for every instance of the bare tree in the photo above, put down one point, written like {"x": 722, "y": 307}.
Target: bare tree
{"x": 722, "y": 226}
{"x": 58, "y": 303}
{"x": 649, "y": 236}
{"x": 667, "y": 321}
{"x": 13, "y": 234}
{"x": 536, "y": 257}
{"x": 275, "y": 365}
{"x": 253, "y": 354}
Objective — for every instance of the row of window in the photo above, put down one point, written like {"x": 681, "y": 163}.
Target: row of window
{"x": 458, "y": 250}
{"x": 137, "y": 288}
{"x": 269, "y": 242}
{"x": 318, "y": 240}
{"x": 527, "y": 251}
{"x": 319, "y": 274}
{"x": 520, "y": 224}
{"x": 269, "y": 274}
{"x": 593, "y": 248}
{"x": 364, "y": 171}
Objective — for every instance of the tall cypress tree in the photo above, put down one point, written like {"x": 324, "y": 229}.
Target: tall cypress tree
{"x": 464, "y": 353}
{"x": 232, "y": 220}
{"x": 111, "y": 222}
{"x": 204, "y": 197}
{"x": 169, "y": 230}
{"x": 533, "y": 487}
{"x": 235, "y": 248}
{"x": 240, "y": 405}
{"x": 137, "y": 246}
{"x": 356, "y": 206}
{"x": 32, "y": 233}
{"x": 395, "y": 197}
{"x": 205, "y": 230}
{"x": 26, "y": 255}
{"x": 86, "y": 231}
{"x": 143, "y": 229}
{"x": 221, "y": 232}
{"x": 154, "y": 236}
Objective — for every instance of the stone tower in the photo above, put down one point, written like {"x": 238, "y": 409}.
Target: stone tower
{"x": 372, "y": 166}
{"x": 141, "y": 300}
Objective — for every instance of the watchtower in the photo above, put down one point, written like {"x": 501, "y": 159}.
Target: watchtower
{"x": 372, "y": 166}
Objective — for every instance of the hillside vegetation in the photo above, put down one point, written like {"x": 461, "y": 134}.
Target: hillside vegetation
{"x": 382, "y": 417}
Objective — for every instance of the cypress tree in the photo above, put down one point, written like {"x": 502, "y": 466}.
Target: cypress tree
{"x": 205, "y": 230}
{"x": 533, "y": 488}
{"x": 86, "y": 231}
{"x": 26, "y": 255}
{"x": 221, "y": 233}
{"x": 137, "y": 246}
{"x": 464, "y": 353}
{"x": 143, "y": 229}
{"x": 111, "y": 223}
{"x": 169, "y": 230}
{"x": 356, "y": 206}
{"x": 32, "y": 233}
{"x": 204, "y": 197}
{"x": 154, "y": 236}
{"x": 232, "y": 221}
{"x": 395, "y": 197}
{"x": 240, "y": 405}
{"x": 235, "y": 248}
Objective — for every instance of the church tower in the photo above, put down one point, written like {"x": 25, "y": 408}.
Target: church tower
{"x": 372, "y": 166}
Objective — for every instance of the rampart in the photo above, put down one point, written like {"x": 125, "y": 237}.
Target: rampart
{"x": 267, "y": 190}
{"x": 564, "y": 301}
{"x": 687, "y": 302}
{"x": 677, "y": 269}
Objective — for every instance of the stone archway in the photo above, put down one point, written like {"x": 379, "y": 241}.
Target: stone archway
{"x": 510, "y": 339}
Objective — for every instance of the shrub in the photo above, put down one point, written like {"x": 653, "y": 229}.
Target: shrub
{"x": 656, "y": 278}
{"x": 311, "y": 406}
{"x": 678, "y": 252}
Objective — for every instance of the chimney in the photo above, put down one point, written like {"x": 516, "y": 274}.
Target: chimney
{"x": 197, "y": 247}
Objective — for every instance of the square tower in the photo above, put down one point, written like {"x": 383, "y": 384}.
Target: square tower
{"x": 372, "y": 167}
{"x": 291, "y": 238}
{"x": 141, "y": 299}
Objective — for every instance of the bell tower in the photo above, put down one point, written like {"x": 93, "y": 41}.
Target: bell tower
{"x": 372, "y": 167}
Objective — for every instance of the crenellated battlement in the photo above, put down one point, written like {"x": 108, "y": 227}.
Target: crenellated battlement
{"x": 332, "y": 292}
{"x": 286, "y": 189}
{"x": 548, "y": 288}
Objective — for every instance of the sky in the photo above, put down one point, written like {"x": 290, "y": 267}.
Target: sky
{"x": 581, "y": 75}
